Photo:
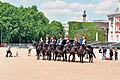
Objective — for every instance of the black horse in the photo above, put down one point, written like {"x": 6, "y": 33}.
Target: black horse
{"x": 53, "y": 47}
{"x": 74, "y": 50}
{"x": 38, "y": 47}
{"x": 66, "y": 50}
{"x": 58, "y": 52}
{"x": 48, "y": 52}
{"x": 81, "y": 53}
{"x": 90, "y": 52}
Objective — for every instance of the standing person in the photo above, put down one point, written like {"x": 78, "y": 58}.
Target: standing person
{"x": 100, "y": 52}
{"x": 116, "y": 53}
{"x": 111, "y": 54}
{"x": 104, "y": 53}
{"x": 29, "y": 50}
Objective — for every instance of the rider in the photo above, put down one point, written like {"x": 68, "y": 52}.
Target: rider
{"x": 76, "y": 40}
{"x": 47, "y": 40}
{"x": 52, "y": 39}
{"x": 53, "y": 42}
{"x": 84, "y": 41}
{"x": 67, "y": 40}
{"x": 41, "y": 42}
{"x": 60, "y": 40}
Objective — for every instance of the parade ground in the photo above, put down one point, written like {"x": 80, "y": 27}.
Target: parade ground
{"x": 28, "y": 68}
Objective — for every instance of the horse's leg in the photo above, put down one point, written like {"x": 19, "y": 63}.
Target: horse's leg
{"x": 73, "y": 58}
{"x": 55, "y": 56}
{"x": 38, "y": 55}
{"x": 43, "y": 55}
{"x": 69, "y": 57}
{"x": 92, "y": 59}
{"x": 49, "y": 56}
{"x": 82, "y": 58}
{"x": 65, "y": 56}
{"x": 89, "y": 57}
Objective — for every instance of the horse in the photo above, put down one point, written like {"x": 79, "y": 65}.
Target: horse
{"x": 58, "y": 52}
{"x": 38, "y": 47}
{"x": 48, "y": 52}
{"x": 81, "y": 53}
{"x": 90, "y": 52}
{"x": 43, "y": 51}
{"x": 74, "y": 50}
{"x": 66, "y": 50}
{"x": 53, "y": 47}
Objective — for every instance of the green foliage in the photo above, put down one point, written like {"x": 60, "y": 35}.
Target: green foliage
{"x": 87, "y": 28}
{"x": 21, "y": 24}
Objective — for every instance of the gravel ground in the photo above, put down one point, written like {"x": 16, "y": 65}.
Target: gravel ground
{"x": 28, "y": 68}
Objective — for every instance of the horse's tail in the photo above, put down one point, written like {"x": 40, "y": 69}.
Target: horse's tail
{"x": 94, "y": 55}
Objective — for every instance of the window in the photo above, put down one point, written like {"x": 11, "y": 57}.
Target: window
{"x": 112, "y": 38}
{"x": 117, "y": 28}
{"x": 117, "y": 19}
{"x": 117, "y": 36}
{"x": 111, "y": 20}
{"x": 112, "y": 27}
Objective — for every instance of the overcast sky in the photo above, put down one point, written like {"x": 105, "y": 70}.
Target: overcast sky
{"x": 70, "y": 10}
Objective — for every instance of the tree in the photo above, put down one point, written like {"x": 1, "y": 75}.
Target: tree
{"x": 24, "y": 24}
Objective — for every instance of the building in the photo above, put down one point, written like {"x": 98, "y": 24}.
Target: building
{"x": 114, "y": 26}
{"x": 66, "y": 27}
{"x": 84, "y": 16}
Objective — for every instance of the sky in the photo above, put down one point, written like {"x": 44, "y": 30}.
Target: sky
{"x": 70, "y": 10}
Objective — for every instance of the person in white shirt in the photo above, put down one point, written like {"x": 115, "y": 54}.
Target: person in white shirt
{"x": 29, "y": 50}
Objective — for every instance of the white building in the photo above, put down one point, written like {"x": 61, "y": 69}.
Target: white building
{"x": 114, "y": 26}
{"x": 66, "y": 27}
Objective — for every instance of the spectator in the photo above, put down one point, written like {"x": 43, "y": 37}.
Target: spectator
{"x": 111, "y": 54}
{"x": 116, "y": 53}
{"x": 104, "y": 53}
{"x": 29, "y": 50}
{"x": 100, "y": 52}
{"x": 9, "y": 52}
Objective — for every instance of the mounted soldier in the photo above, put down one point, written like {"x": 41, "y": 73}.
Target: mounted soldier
{"x": 47, "y": 41}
